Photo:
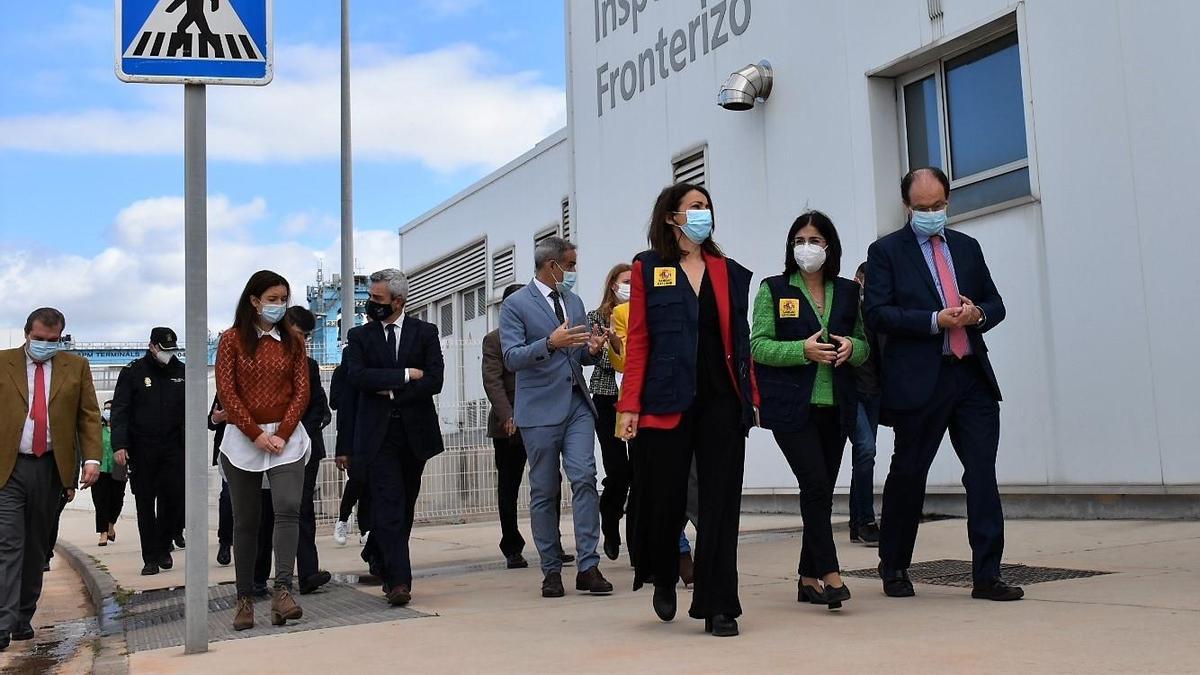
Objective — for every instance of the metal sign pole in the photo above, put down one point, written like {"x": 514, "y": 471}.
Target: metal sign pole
{"x": 195, "y": 256}
{"x": 348, "y": 309}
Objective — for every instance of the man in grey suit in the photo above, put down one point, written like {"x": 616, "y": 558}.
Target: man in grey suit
{"x": 545, "y": 339}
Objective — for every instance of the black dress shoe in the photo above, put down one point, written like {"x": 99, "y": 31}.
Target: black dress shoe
{"x": 223, "y": 557}
{"x": 516, "y": 561}
{"x": 996, "y": 589}
{"x": 806, "y": 593}
{"x": 896, "y": 584}
{"x": 612, "y": 547}
{"x": 149, "y": 568}
{"x": 23, "y": 632}
{"x": 565, "y": 558}
{"x": 552, "y": 586}
{"x": 399, "y": 596}
{"x": 166, "y": 562}
{"x": 313, "y": 582}
{"x": 834, "y": 597}
{"x": 179, "y": 542}
{"x": 721, "y": 626}
{"x": 4, "y": 640}
{"x": 591, "y": 581}
{"x": 664, "y": 602}
{"x": 868, "y": 535}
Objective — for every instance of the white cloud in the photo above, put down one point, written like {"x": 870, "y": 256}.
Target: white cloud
{"x": 443, "y": 108}
{"x": 137, "y": 282}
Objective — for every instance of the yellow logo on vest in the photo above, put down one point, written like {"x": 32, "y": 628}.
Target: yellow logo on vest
{"x": 664, "y": 276}
{"x": 789, "y": 308}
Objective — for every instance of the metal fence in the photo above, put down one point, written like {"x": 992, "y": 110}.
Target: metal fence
{"x": 458, "y": 485}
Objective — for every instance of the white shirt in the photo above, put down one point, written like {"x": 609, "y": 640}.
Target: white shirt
{"x": 546, "y": 291}
{"x": 274, "y": 332}
{"x": 399, "y": 324}
{"x": 26, "y": 446}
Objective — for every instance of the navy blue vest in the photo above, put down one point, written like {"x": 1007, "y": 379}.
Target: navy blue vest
{"x": 672, "y": 318}
{"x": 786, "y": 393}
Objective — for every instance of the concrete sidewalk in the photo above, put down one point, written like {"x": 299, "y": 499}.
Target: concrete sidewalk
{"x": 1143, "y": 617}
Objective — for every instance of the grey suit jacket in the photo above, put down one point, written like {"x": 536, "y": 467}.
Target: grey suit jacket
{"x": 544, "y": 378}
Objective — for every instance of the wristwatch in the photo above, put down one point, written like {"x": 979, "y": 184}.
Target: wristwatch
{"x": 982, "y": 317}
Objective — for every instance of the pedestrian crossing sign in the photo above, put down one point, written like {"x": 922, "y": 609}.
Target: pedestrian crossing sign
{"x": 194, "y": 41}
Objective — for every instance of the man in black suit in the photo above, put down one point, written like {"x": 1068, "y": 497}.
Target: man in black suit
{"x": 395, "y": 365}
{"x": 930, "y": 293}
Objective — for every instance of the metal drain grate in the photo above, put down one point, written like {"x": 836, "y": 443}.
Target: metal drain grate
{"x": 154, "y": 620}
{"x": 958, "y": 573}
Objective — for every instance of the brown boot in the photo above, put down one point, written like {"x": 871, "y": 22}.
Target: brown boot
{"x": 687, "y": 569}
{"x": 284, "y": 607}
{"x": 244, "y": 618}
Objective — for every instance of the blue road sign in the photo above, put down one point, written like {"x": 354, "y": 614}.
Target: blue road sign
{"x": 194, "y": 41}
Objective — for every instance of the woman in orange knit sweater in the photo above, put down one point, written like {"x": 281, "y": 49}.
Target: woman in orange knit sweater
{"x": 262, "y": 383}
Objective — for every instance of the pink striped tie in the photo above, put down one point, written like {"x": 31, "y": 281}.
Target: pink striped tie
{"x": 958, "y": 336}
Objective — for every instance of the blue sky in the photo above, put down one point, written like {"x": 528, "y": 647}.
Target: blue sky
{"x": 91, "y": 168}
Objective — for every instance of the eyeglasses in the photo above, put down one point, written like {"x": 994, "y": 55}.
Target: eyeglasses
{"x": 933, "y": 207}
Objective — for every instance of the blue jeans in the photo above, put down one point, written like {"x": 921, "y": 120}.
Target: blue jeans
{"x": 862, "y": 461}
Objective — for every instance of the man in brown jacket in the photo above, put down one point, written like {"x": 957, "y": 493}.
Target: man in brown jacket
{"x": 500, "y": 384}
{"x": 48, "y": 408}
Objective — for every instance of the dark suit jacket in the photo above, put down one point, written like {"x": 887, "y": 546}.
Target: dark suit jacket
{"x": 316, "y": 416}
{"x": 218, "y": 429}
{"x": 499, "y": 383}
{"x": 370, "y": 369}
{"x": 900, "y": 299}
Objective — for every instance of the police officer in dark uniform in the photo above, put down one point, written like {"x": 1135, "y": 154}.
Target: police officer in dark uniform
{"x": 147, "y": 432}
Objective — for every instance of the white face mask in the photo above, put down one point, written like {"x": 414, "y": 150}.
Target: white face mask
{"x": 809, "y": 257}
{"x": 163, "y": 356}
{"x": 623, "y": 292}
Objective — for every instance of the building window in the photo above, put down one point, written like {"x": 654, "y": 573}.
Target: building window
{"x": 966, "y": 115}
{"x": 691, "y": 167}
{"x": 545, "y": 234}
{"x": 566, "y": 218}
{"x": 503, "y": 267}
{"x": 474, "y": 304}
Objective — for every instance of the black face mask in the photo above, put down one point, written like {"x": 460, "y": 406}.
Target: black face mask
{"x": 378, "y": 311}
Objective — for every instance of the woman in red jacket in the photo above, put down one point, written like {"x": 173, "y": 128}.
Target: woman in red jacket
{"x": 262, "y": 382}
{"x": 688, "y": 390}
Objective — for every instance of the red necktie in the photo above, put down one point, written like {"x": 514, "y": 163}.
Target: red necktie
{"x": 959, "y": 344}
{"x": 38, "y": 414}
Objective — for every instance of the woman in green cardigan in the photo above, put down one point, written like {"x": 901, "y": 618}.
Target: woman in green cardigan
{"x": 806, "y": 338}
{"x": 108, "y": 494}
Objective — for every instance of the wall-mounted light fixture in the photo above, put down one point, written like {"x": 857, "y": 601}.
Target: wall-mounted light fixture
{"x": 746, "y": 86}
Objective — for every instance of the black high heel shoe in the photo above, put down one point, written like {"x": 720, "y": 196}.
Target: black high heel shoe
{"x": 835, "y": 596}
{"x": 664, "y": 602}
{"x": 806, "y": 593}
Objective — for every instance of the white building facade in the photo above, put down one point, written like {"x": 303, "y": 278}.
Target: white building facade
{"x": 1069, "y": 129}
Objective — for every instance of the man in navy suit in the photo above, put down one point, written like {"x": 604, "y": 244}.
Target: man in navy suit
{"x": 394, "y": 365}
{"x": 930, "y": 292}
{"x": 545, "y": 341}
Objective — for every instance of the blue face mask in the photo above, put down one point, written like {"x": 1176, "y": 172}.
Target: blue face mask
{"x": 929, "y": 223}
{"x": 43, "y": 351}
{"x": 568, "y": 281}
{"x": 699, "y": 225}
{"x": 273, "y": 313}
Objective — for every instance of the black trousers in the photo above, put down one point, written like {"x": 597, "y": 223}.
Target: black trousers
{"x": 711, "y": 430}
{"x": 29, "y": 507}
{"x": 815, "y": 454}
{"x": 510, "y": 467}
{"x": 618, "y": 471}
{"x": 394, "y": 481}
{"x": 158, "y": 486}
{"x": 962, "y": 403}
{"x": 108, "y": 495}
{"x": 224, "y": 517}
{"x": 355, "y": 492}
